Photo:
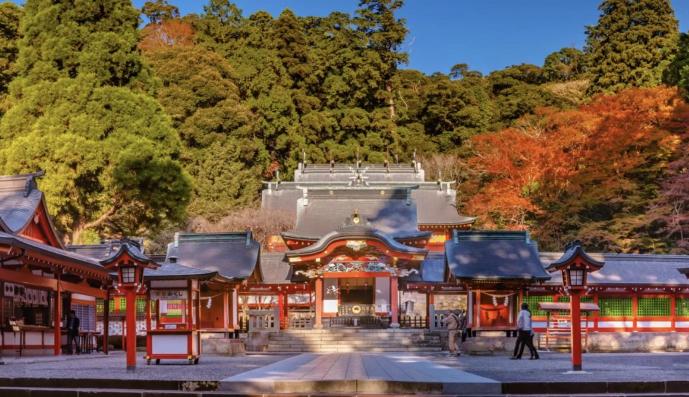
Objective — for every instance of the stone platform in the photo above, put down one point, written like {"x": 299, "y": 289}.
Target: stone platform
{"x": 357, "y": 373}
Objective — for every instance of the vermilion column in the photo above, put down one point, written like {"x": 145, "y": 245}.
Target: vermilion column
{"x": 226, "y": 310}
{"x": 319, "y": 303}
{"x": 130, "y": 295}
{"x": 575, "y": 309}
{"x": 394, "y": 315}
{"x": 58, "y": 317}
{"x": 106, "y": 322}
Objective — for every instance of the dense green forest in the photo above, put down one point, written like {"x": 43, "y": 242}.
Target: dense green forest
{"x": 144, "y": 128}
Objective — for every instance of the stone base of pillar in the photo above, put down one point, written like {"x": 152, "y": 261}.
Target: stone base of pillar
{"x": 318, "y": 326}
{"x": 394, "y": 325}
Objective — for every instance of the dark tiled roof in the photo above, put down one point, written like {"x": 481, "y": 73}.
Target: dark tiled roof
{"x": 573, "y": 251}
{"x": 432, "y": 269}
{"x": 19, "y": 199}
{"x": 95, "y": 251}
{"x": 170, "y": 270}
{"x": 629, "y": 269}
{"x": 436, "y": 206}
{"x": 355, "y": 232}
{"x": 50, "y": 251}
{"x": 232, "y": 255}
{"x": 496, "y": 256}
{"x": 274, "y": 269}
{"x": 434, "y": 201}
{"x": 130, "y": 248}
{"x": 390, "y": 211}
{"x": 281, "y": 199}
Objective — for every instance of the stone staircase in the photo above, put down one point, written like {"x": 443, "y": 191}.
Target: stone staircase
{"x": 335, "y": 340}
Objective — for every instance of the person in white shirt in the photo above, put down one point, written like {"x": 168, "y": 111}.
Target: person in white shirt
{"x": 525, "y": 336}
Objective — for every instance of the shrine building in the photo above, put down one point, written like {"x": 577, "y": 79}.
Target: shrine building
{"x": 370, "y": 246}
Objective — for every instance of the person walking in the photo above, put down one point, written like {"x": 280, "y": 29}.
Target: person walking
{"x": 73, "y": 332}
{"x": 525, "y": 334}
{"x": 452, "y": 323}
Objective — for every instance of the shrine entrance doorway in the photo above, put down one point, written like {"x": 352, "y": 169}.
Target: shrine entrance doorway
{"x": 357, "y": 296}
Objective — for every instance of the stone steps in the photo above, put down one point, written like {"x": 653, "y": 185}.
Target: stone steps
{"x": 349, "y": 340}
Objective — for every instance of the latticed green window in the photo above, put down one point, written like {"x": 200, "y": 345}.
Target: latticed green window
{"x": 615, "y": 306}
{"x": 682, "y": 307}
{"x": 533, "y": 300}
{"x": 654, "y": 306}
{"x": 99, "y": 307}
{"x": 140, "y": 305}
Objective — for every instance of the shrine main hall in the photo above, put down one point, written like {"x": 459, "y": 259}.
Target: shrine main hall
{"x": 372, "y": 246}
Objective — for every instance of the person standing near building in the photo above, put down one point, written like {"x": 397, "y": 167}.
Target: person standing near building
{"x": 452, "y": 323}
{"x": 461, "y": 329}
{"x": 73, "y": 332}
{"x": 525, "y": 337}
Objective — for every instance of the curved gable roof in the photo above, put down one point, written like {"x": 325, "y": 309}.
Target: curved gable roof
{"x": 490, "y": 255}
{"x": 232, "y": 255}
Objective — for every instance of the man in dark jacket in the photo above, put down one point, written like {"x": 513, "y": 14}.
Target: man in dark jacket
{"x": 73, "y": 331}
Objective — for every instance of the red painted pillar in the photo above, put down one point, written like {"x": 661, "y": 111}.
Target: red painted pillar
{"x": 596, "y": 314}
{"x": 394, "y": 310}
{"x": 106, "y": 322}
{"x": 130, "y": 339}
{"x": 673, "y": 311}
{"x": 58, "y": 318}
{"x": 575, "y": 308}
{"x": 285, "y": 309}
{"x": 226, "y": 310}
{"x": 149, "y": 345}
{"x": 635, "y": 310}
{"x": 319, "y": 303}
{"x": 281, "y": 310}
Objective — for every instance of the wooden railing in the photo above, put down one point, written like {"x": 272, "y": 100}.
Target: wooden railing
{"x": 301, "y": 320}
{"x": 264, "y": 320}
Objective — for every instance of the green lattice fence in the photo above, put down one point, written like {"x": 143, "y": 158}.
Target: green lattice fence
{"x": 533, "y": 300}
{"x": 615, "y": 306}
{"x": 654, "y": 306}
{"x": 682, "y": 307}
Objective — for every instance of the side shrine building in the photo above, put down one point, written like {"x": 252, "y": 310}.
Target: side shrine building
{"x": 371, "y": 246}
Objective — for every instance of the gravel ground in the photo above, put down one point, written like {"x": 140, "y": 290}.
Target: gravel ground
{"x": 553, "y": 367}
{"x": 99, "y": 366}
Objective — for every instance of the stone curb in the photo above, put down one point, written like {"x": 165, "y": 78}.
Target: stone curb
{"x": 33, "y": 387}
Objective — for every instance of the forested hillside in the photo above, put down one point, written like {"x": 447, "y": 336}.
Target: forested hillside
{"x": 149, "y": 127}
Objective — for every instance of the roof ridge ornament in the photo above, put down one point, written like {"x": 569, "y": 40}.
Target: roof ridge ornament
{"x": 31, "y": 182}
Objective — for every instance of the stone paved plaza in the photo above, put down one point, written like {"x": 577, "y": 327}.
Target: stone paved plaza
{"x": 551, "y": 367}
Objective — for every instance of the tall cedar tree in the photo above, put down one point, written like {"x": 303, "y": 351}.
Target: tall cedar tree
{"x": 79, "y": 110}
{"x": 632, "y": 44}
{"x": 220, "y": 149}
{"x": 9, "y": 36}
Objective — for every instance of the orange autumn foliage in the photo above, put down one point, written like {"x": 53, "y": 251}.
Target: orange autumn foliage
{"x": 561, "y": 169}
{"x": 166, "y": 34}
